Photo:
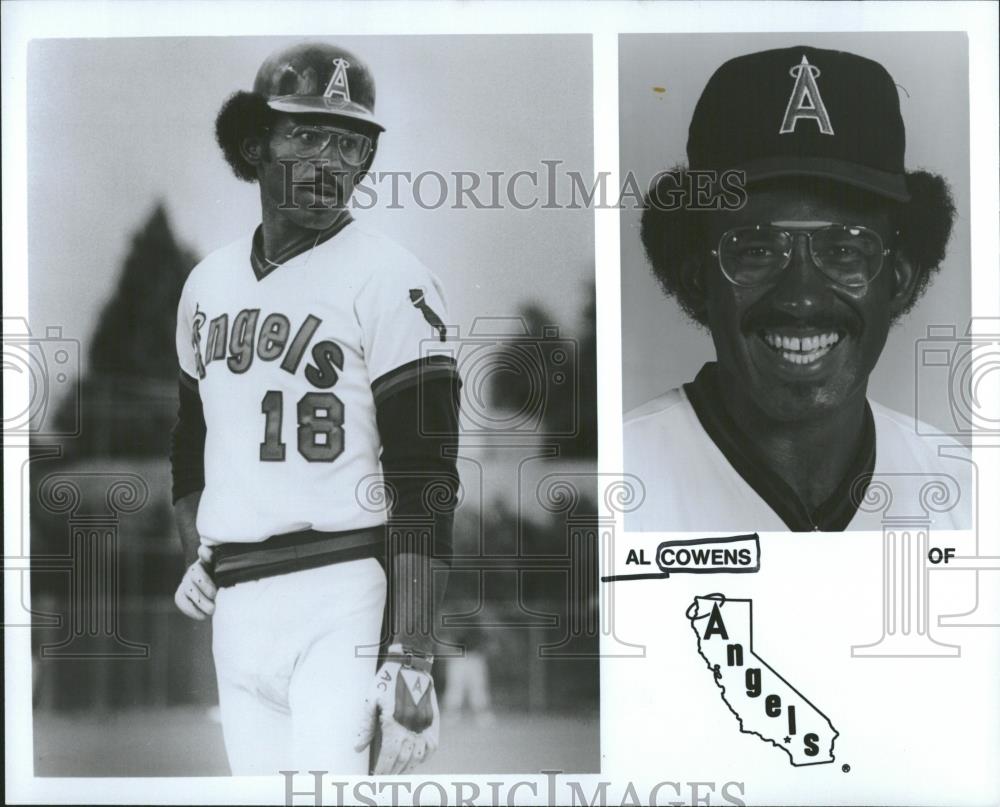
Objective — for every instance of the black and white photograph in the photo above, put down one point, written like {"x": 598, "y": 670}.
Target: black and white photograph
{"x": 808, "y": 355}
{"x": 332, "y": 386}
{"x": 805, "y": 235}
{"x": 485, "y": 403}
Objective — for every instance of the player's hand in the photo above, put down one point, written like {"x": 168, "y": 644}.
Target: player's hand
{"x": 401, "y": 710}
{"x": 195, "y": 596}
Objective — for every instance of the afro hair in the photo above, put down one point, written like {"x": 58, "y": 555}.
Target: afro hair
{"x": 243, "y": 115}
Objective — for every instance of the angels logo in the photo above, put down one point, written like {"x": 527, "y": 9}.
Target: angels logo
{"x": 805, "y": 102}
{"x": 337, "y": 87}
{"x": 417, "y": 298}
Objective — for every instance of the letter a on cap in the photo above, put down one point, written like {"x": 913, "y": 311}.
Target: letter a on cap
{"x": 805, "y": 102}
{"x": 338, "y": 81}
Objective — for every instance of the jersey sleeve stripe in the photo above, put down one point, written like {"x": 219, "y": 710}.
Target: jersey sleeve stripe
{"x": 411, "y": 373}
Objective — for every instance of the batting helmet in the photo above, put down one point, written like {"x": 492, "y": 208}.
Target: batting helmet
{"x": 319, "y": 78}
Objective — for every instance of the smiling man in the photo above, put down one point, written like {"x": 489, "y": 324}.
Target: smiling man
{"x": 799, "y": 286}
{"x": 304, "y": 370}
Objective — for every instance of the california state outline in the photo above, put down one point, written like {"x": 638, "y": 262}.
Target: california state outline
{"x": 765, "y": 704}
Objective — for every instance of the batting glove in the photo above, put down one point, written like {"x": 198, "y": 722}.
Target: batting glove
{"x": 195, "y": 596}
{"x": 401, "y": 713}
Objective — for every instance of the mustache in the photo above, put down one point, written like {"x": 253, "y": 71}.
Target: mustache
{"x": 322, "y": 177}
{"x": 327, "y": 183}
{"x": 326, "y": 190}
{"x": 819, "y": 321}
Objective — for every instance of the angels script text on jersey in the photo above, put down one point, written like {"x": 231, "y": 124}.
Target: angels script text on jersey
{"x": 270, "y": 343}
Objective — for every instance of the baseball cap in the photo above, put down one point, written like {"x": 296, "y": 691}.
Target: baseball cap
{"x": 802, "y": 111}
{"x": 318, "y": 77}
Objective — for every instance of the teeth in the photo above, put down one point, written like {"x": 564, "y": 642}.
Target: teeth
{"x": 800, "y": 343}
{"x": 805, "y": 358}
{"x": 802, "y": 350}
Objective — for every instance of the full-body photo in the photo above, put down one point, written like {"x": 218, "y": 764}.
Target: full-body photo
{"x": 308, "y": 378}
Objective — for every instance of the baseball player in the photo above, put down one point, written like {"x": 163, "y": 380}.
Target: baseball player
{"x": 799, "y": 283}
{"x": 304, "y": 358}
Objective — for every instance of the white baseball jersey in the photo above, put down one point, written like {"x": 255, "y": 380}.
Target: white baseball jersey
{"x": 290, "y": 364}
{"x": 696, "y": 482}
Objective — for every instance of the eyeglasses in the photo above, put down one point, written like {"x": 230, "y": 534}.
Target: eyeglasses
{"x": 848, "y": 254}
{"x": 353, "y": 148}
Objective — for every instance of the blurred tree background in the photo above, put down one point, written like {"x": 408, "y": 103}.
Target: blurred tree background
{"x": 569, "y": 412}
{"x": 132, "y": 368}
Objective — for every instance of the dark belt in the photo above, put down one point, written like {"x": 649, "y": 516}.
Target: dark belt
{"x": 292, "y": 552}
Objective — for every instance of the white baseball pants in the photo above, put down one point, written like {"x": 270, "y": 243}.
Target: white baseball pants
{"x": 294, "y": 656}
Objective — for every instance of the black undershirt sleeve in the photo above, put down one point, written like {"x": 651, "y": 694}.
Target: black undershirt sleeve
{"x": 187, "y": 444}
{"x": 418, "y": 426}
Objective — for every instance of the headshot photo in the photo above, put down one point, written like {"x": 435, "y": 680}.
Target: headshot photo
{"x": 805, "y": 224}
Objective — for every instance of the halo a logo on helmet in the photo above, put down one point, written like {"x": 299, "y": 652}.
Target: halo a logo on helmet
{"x": 338, "y": 90}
